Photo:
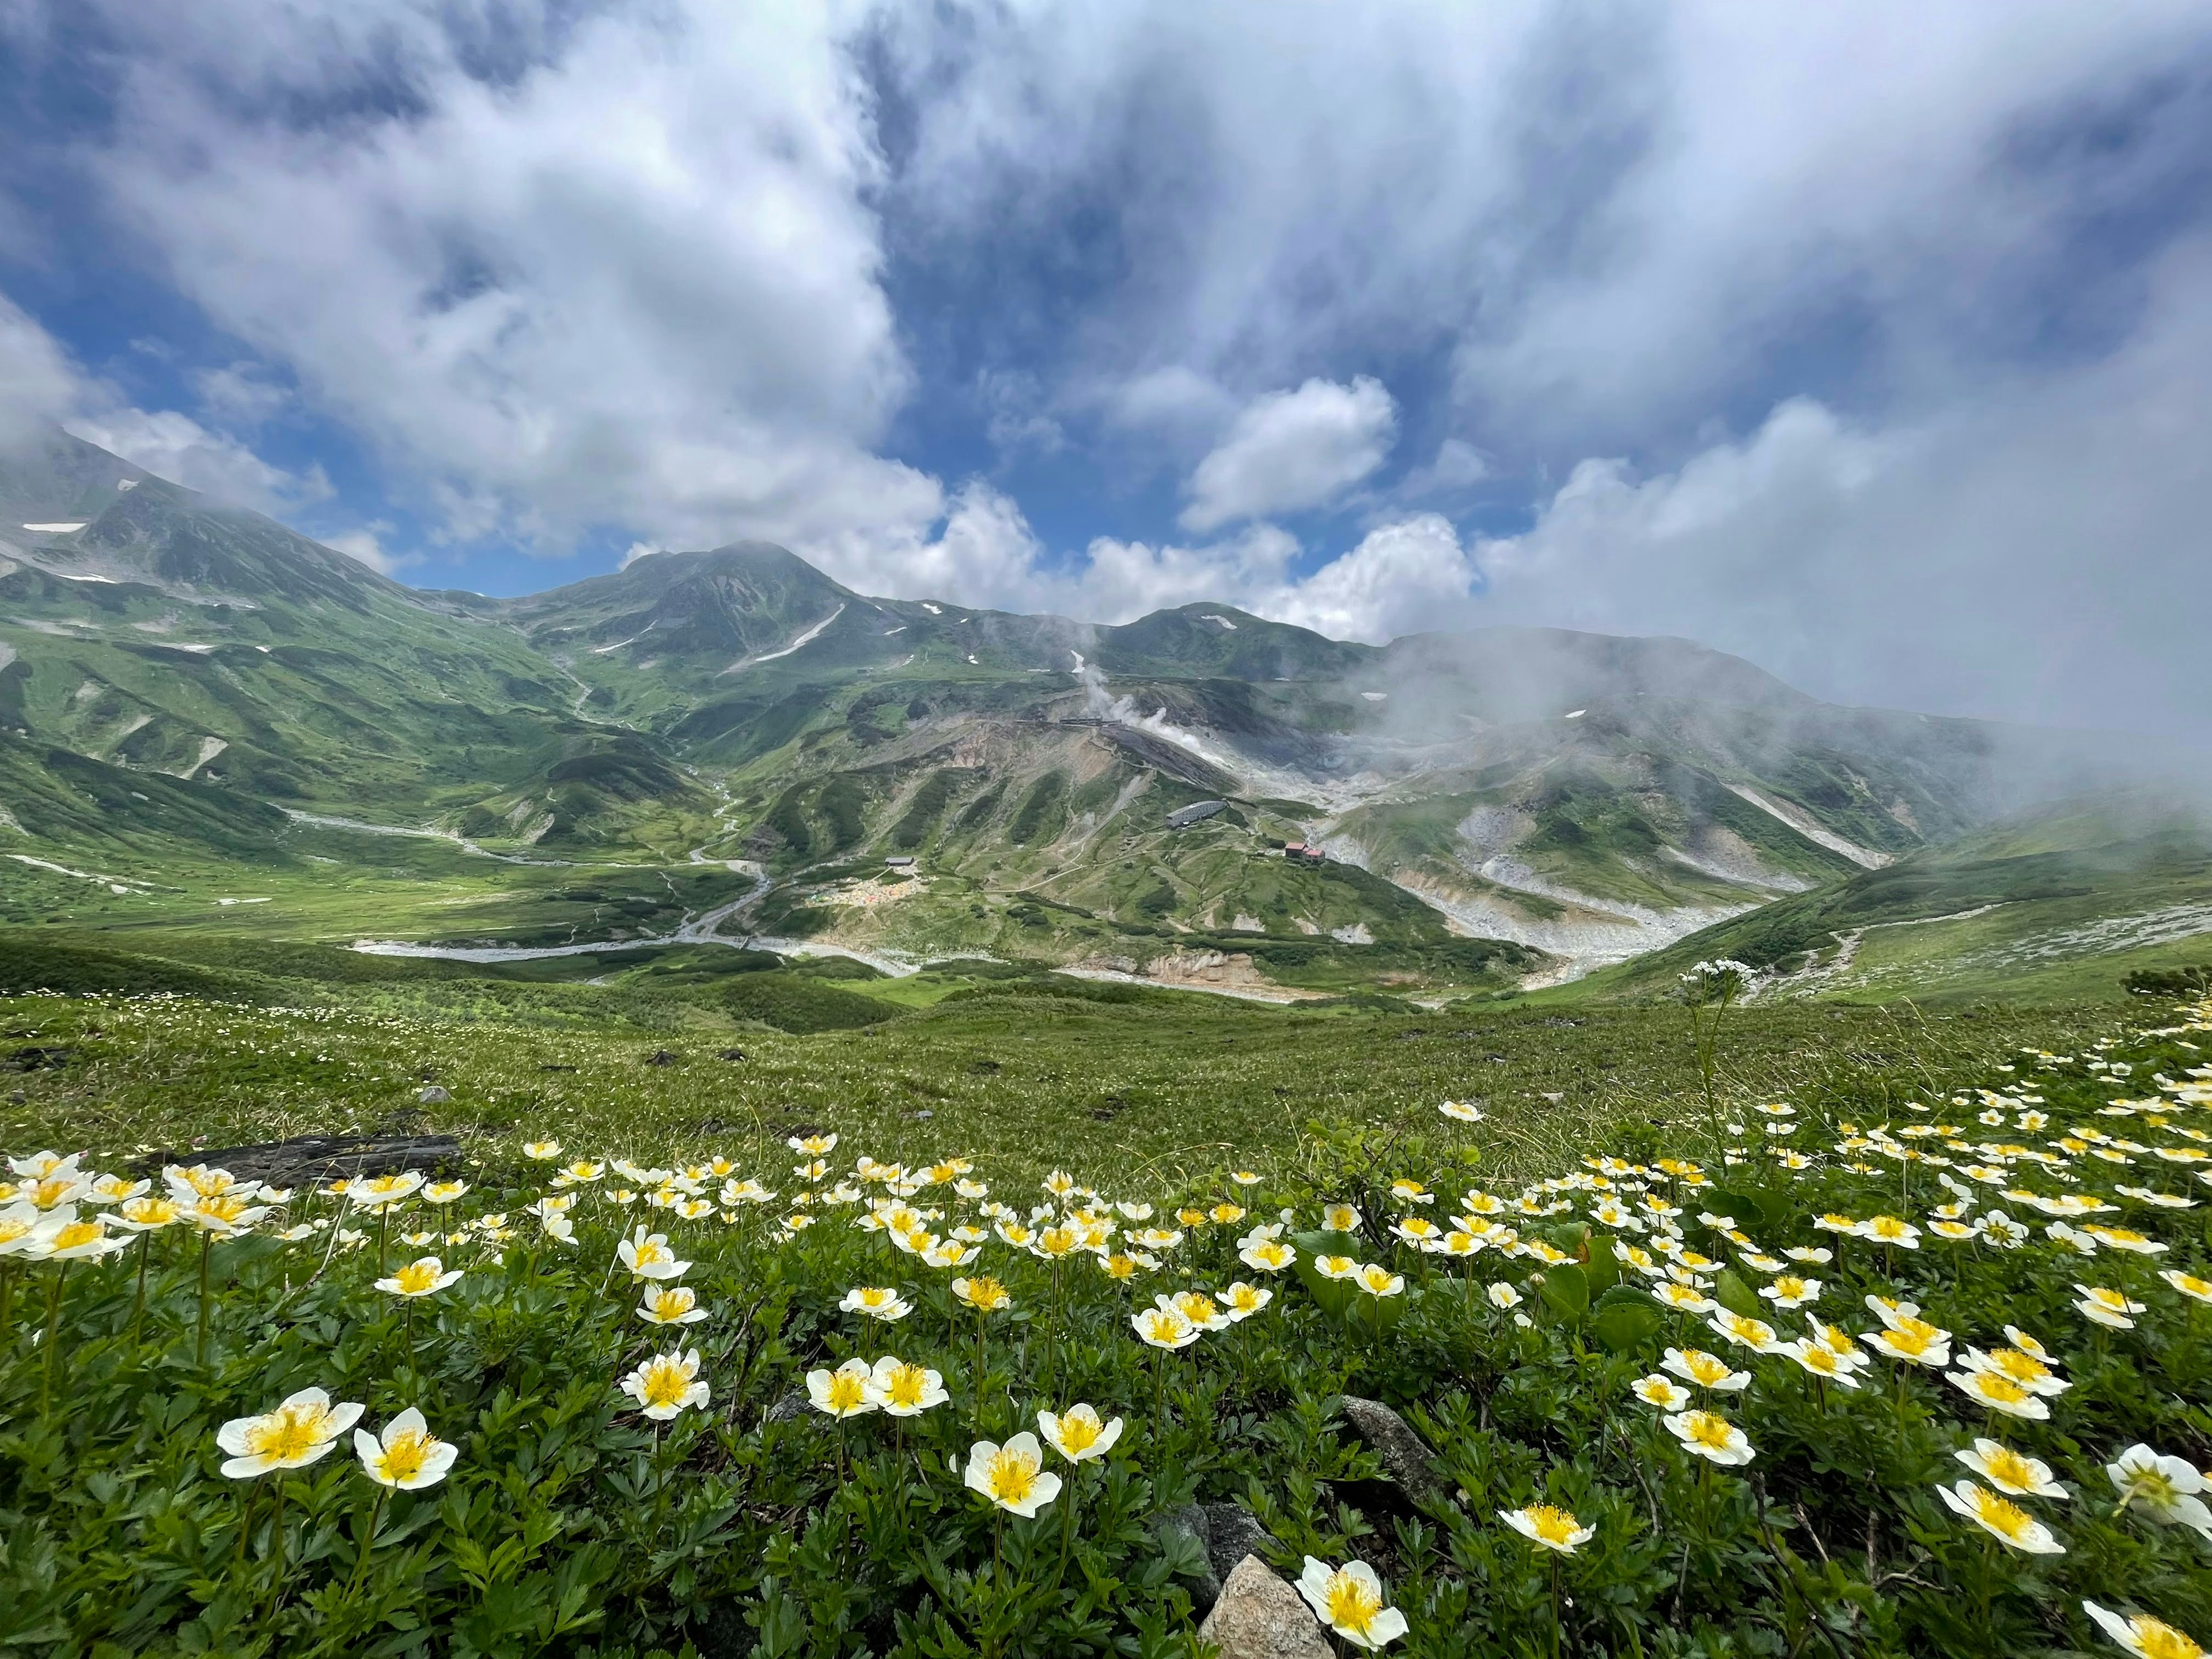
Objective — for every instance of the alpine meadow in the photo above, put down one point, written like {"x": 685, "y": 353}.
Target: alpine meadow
{"x": 1007, "y": 831}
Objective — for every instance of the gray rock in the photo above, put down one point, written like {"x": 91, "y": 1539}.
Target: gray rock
{"x": 1260, "y": 1616}
{"x": 1404, "y": 1456}
{"x": 1231, "y": 1534}
{"x": 792, "y": 1408}
{"x": 433, "y": 1095}
{"x": 1191, "y": 1521}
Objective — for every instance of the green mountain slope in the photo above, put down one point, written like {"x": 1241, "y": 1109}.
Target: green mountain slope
{"x": 195, "y": 694}
{"x": 2060, "y": 901}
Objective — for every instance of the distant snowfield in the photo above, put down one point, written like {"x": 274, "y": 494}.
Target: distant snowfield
{"x": 797, "y": 645}
{"x": 58, "y": 529}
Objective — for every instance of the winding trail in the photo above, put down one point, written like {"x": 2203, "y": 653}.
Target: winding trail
{"x": 705, "y": 928}
{"x": 324, "y": 821}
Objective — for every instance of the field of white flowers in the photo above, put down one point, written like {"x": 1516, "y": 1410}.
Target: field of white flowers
{"x": 1798, "y": 1385}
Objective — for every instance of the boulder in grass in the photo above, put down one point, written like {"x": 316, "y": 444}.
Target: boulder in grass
{"x": 1259, "y": 1616}
{"x": 1408, "y": 1466}
{"x": 1231, "y": 1534}
{"x": 1190, "y": 1525}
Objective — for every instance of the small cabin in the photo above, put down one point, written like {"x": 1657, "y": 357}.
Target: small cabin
{"x": 899, "y": 861}
{"x": 1298, "y": 852}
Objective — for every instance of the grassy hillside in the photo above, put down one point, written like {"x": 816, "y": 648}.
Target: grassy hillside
{"x": 2054, "y": 904}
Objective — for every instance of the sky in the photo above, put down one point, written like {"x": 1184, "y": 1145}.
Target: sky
{"x": 1871, "y": 342}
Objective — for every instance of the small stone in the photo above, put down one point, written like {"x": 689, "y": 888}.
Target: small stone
{"x": 790, "y": 1408}
{"x": 1407, "y": 1460}
{"x": 660, "y": 1057}
{"x": 1231, "y": 1534}
{"x": 1191, "y": 1521}
{"x": 1260, "y": 1616}
{"x": 433, "y": 1095}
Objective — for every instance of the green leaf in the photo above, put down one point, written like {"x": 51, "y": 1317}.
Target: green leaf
{"x": 1333, "y": 1296}
{"x": 1566, "y": 1288}
{"x": 1625, "y": 1327}
{"x": 1732, "y": 1293}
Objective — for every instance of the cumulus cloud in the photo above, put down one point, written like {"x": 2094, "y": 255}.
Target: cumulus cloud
{"x": 38, "y": 381}
{"x": 1289, "y": 451}
{"x": 2038, "y": 556}
{"x": 607, "y": 267}
{"x": 367, "y": 544}
{"x": 175, "y": 447}
{"x": 41, "y": 386}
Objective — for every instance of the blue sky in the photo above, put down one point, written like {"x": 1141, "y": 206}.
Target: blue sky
{"x": 1870, "y": 342}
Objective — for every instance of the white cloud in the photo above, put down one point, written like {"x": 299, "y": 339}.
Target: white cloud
{"x": 38, "y": 381}
{"x": 618, "y": 271}
{"x": 177, "y": 447}
{"x": 1288, "y": 451}
{"x": 1409, "y": 577}
{"x": 367, "y": 544}
{"x": 2038, "y": 557}
{"x": 41, "y": 385}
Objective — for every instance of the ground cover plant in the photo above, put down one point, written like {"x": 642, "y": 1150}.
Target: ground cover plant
{"x": 1883, "y": 1338}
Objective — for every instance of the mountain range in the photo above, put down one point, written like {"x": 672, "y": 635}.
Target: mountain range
{"x": 196, "y": 701}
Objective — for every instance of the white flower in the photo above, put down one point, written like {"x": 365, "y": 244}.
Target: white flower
{"x": 407, "y": 1455}
{"x": 2143, "y": 1636}
{"x": 848, "y": 1391}
{"x": 1349, "y": 1601}
{"x": 2001, "y": 1518}
{"x": 2012, "y": 1473}
{"x": 906, "y": 1390}
{"x": 1710, "y": 1435}
{"x": 2163, "y": 1486}
{"x": 877, "y": 1302}
{"x": 667, "y": 1384}
{"x": 297, "y": 1433}
{"x": 1011, "y": 1476}
{"x": 1080, "y": 1435}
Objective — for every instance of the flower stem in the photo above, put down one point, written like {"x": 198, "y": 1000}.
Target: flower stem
{"x": 54, "y": 1335}
{"x": 199, "y": 1344}
{"x": 368, "y": 1543}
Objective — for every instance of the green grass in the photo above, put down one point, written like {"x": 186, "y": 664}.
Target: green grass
{"x": 570, "y": 1525}
{"x": 1043, "y": 1072}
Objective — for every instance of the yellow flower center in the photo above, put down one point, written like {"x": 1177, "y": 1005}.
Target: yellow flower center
{"x": 2112, "y": 1301}
{"x": 2003, "y": 1389}
{"x": 403, "y": 1459}
{"x": 666, "y": 1382}
{"x": 1056, "y": 1240}
{"x": 1820, "y": 1360}
{"x": 284, "y": 1435}
{"x": 1162, "y": 1326}
{"x": 1553, "y": 1525}
{"x": 2002, "y": 1515}
{"x": 671, "y": 1303}
{"x": 2157, "y": 1639}
{"x": 2008, "y": 1468}
{"x": 416, "y": 1277}
{"x": 848, "y": 1391}
{"x": 1910, "y": 1342}
{"x": 1708, "y": 1430}
{"x": 909, "y": 1383}
{"x": 1352, "y": 1605}
{"x": 1012, "y": 1475}
{"x": 1078, "y": 1432}
{"x": 78, "y": 1233}
{"x": 1790, "y": 1286}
